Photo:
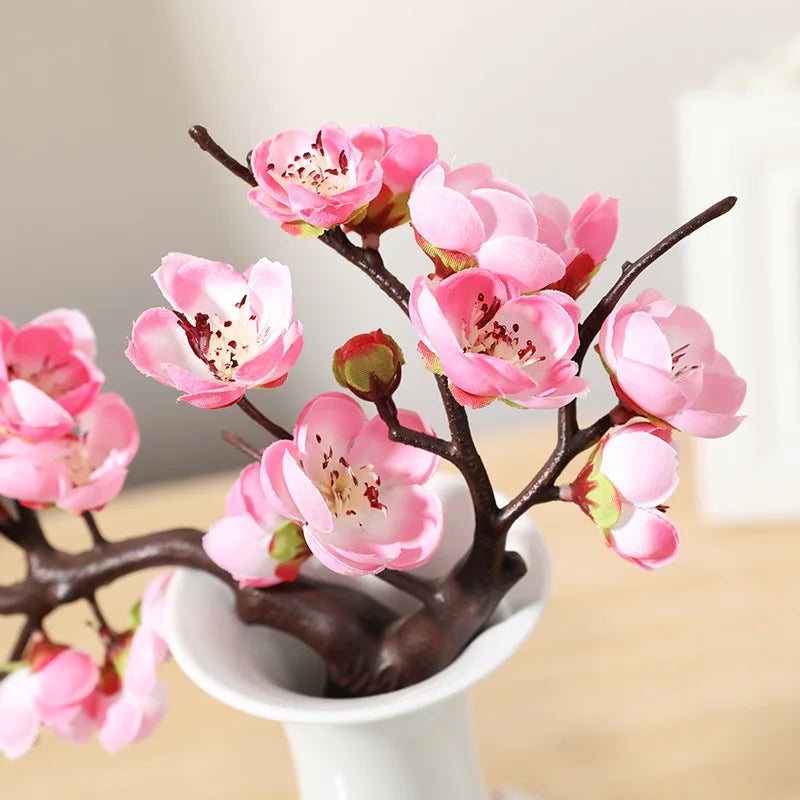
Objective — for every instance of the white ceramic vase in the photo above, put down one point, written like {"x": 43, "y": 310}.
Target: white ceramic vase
{"x": 411, "y": 744}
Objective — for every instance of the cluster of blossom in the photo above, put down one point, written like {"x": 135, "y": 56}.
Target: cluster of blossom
{"x": 497, "y": 317}
{"x": 61, "y": 441}
{"x": 62, "y": 689}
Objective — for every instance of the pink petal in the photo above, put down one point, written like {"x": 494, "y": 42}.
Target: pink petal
{"x": 446, "y": 219}
{"x": 532, "y": 264}
{"x": 240, "y": 546}
{"x": 19, "y": 722}
{"x": 30, "y": 413}
{"x": 270, "y": 286}
{"x": 641, "y": 465}
{"x": 594, "y": 226}
{"x": 330, "y": 558}
{"x": 333, "y": 416}
{"x": 645, "y": 536}
{"x": 649, "y": 389}
{"x": 76, "y": 323}
{"x": 406, "y": 160}
{"x": 121, "y": 723}
{"x": 247, "y": 497}
{"x": 66, "y": 680}
{"x": 395, "y": 463}
{"x": 504, "y": 214}
{"x": 157, "y": 341}
{"x": 638, "y": 338}
{"x": 305, "y": 495}
{"x": 195, "y": 285}
{"x": 556, "y": 212}
{"x": 146, "y": 652}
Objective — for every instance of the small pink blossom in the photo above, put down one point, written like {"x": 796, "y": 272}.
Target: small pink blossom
{"x": 358, "y": 495}
{"x": 582, "y": 241}
{"x": 664, "y": 365}
{"x": 47, "y": 374}
{"x": 466, "y": 217}
{"x": 403, "y": 155}
{"x": 131, "y": 701}
{"x": 628, "y": 477}
{"x": 310, "y": 182}
{"x": 228, "y": 332}
{"x": 50, "y": 690}
{"x": 254, "y": 541}
{"x": 491, "y": 341}
{"x": 79, "y": 471}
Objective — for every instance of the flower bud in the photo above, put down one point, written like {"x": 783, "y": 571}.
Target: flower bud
{"x": 369, "y": 365}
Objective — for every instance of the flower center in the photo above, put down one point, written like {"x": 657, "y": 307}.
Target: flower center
{"x": 320, "y": 172}
{"x": 76, "y": 459}
{"x": 54, "y": 379}
{"x": 223, "y": 344}
{"x": 349, "y": 491}
{"x": 680, "y": 369}
{"x": 482, "y": 333}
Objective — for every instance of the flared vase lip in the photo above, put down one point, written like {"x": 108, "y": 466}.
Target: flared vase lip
{"x": 265, "y": 673}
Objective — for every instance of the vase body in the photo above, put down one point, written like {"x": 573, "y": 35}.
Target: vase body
{"x": 412, "y": 744}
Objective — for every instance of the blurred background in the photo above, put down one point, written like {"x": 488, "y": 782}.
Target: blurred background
{"x": 100, "y": 179}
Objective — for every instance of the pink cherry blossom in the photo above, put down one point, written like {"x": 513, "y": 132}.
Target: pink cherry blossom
{"x": 310, "y": 182}
{"x": 402, "y": 154}
{"x": 491, "y": 341}
{"x": 228, "y": 332}
{"x": 664, "y": 365}
{"x": 47, "y": 374}
{"x": 358, "y": 495}
{"x": 466, "y": 217}
{"x": 622, "y": 487}
{"x": 582, "y": 241}
{"x": 48, "y": 691}
{"x": 79, "y": 471}
{"x": 254, "y": 541}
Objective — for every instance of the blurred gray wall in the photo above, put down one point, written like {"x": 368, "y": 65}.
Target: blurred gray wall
{"x": 99, "y": 179}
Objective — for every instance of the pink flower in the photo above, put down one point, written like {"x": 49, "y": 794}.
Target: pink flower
{"x": 402, "y": 154}
{"x": 227, "y": 333}
{"x": 622, "y": 487}
{"x": 47, "y": 374}
{"x": 79, "y": 471}
{"x": 491, "y": 341}
{"x": 466, "y": 217}
{"x": 664, "y": 365}
{"x": 131, "y": 702}
{"x": 310, "y": 182}
{"x": 582, "y": 241}
{"x": 357, "y": 494}
{"x": 49, "y": 690}
{"x": 254, "y": 541}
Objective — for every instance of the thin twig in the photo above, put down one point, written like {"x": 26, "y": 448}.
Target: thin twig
{"x": 32, "y": 624}
{"x": 265, "y": 422}
{"x": 203, "y": 139}
{"x": 387, "y": 410}
{"x": 241, "y": 445}
{"x": 104, "y": 627}
{"x": 97, "y": 538}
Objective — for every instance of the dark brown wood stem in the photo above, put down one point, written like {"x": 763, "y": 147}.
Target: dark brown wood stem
{"x": 241, "y": 445}
{"x": 265, "y": 422}
{"x": 204, "y": 141}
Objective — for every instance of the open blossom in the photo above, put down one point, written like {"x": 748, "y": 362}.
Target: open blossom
{"x": 80, "y": 471}
{"x": 227, "y": 332}
{"x": 664, "y": 365}
{"x": 49, "y": 688}
{"x": 402, "y": 154}
{"x": 491, "y": 341}
{"x": 582, "y": 240}
{"x": 627, "y": 478}
{"x": 466, "y": 217}
{"x": 310, "y": 182}
{"x": 257, "y": 544}
{"x": 47, "y": 374}
{"x": 358, "y": 495}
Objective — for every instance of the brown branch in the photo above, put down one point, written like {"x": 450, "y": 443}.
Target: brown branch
{"x": 418, "y": 588}
{"x": 203, "y": 139}
{"x": 241, "y": 445}
{"x": 267, "y": 424}
{"x": 97, "y": 538}
{"x": 387, "y": 410}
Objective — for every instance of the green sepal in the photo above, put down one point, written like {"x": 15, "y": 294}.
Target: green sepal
{"x": 288, "y": 543}
{"x": 512, "y": 404}
{"x": 302, "y": 229}
{"x": 13, "y": 666}
{"x": 135, "y": 616}
{"x": 603, "y": 503}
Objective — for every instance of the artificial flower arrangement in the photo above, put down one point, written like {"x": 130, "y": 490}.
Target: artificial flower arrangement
{"x": 496, "y": 318}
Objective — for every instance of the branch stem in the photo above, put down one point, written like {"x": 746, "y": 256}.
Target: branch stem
{"x": 204, "y": 141}
{"x": 97, "y": 538}
{"x": 267, "y": 424}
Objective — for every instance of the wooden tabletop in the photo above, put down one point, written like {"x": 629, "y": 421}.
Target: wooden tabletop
{"x": 680, "y": 683}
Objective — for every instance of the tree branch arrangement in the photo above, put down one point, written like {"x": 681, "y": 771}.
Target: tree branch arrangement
{"x": 497, "y": 319}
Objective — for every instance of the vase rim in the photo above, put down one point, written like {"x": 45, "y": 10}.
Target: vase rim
{"x": 267, "y": 674}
